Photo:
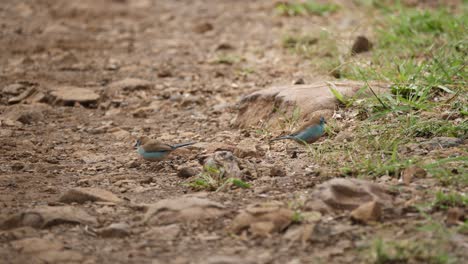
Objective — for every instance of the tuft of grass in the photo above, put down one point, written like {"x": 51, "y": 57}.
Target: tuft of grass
{"x": 342, "y": 99}
{"x": 408, "y": 251}
{"x": 374, "y": 149}
{"x": 447, "y": 200}
{"x": 308, "y": 7}
{"x": 422, "y": 53}
{"x": 298, "y": 43}
{"x": 244, "y": 71}
{"x": 434, "y": 128}
{"x": 450, "y": 171}
{"x": 227, "y": 59}
{"x": 289, "y": 121}
{"x": 212, "y": 179}
{"x": 297, "y": 217}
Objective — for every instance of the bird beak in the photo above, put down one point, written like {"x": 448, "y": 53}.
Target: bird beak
{"x": 136, "y": 145}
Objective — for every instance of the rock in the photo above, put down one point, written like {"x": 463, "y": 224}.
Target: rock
{"x": 17, "y": 166}
{"x": 269, "y": 106}
{"x": 115, "y": 230}
{"x": 47, "y": 216}
{"x": 82, "y": 195}
{"x": 224, "y": 46}
{"x": 218, "y": 259}
{"x": 144, "y": 112}
{"x": 62, "y": 256}
{"x": 131, "y": 85}
{"x": 301, "y": 233}
{"x": 18, "y": 233}
{"x": 69, "y": 95}
{"x": 164, "y": 73}
{"x": 46, "y": 251}
{"x": 192, "y": 99}
{"x": 360, "y": 45}
{"x": 165, "y": 233}
{"x": 27, "y": 114}
{"x": 68, "y": 61}
{"x": 182, "y": 209}
{"x": 187, "y": 172}
{"x": 298, "y": 81}
{"x": 411, "y": 172}
{"x": 203, "y": 27}
{"x": 35, "y": 245}
{"x": 119, "y": 134}
{"x": 347, "y": 194}
{"x": 370, "y": 211}
{"x": 225, "y": 163}
{"x": 277, "y": 171}
{"x": 246, "y": 148}
{"x": 13, "y": 89}
{"x": 263, "y": 219}
{"x": 441, "y": 142}
{"x": 25, "y": 94}
{"x": 455, "y": 216}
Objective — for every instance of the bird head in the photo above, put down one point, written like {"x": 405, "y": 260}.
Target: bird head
{"x": 140, "y": 141}
{"x": 322, "y": 121}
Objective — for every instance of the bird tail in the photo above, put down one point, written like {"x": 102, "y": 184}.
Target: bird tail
{"x": 281, "y": 138}
{"x": 182, "y": 145}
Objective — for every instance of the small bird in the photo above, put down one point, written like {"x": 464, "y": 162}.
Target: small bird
{"x": 307, "y": 134}
{"x": 153, "y": 150}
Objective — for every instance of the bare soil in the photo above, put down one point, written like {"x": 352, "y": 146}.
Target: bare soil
{"x": 200, "y": 57}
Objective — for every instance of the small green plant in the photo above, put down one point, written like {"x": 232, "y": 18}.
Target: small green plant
{"x": 451, "y": 171}
{"x": 434, "y": 128}
{"x": 246, "y": 71}
{"x": 463, "y": 229}
{"x": 289, "y": 121}
{"x": 309, "y": 7}
{"x": 212, "y": 179}
{"x": 298, "y": 43}
{"x": 227, "y": 59}
{"x": 452, "y": 199}
{"x": 344, "y": 100}
{"x": 297, "y": 217}
{"x": 408, "y": 251}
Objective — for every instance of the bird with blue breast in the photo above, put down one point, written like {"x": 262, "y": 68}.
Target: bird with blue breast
{"x": 154, "y": 150}
{"x": 307, "y": 134}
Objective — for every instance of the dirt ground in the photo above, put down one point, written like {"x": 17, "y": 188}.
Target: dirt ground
{"x": 200, "y": 58}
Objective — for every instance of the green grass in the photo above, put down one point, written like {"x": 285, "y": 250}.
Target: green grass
{"x": 450, "y": 171}
{"x": 435, "y": 128}
{"x": 227, "y": 59}
{"x": 288, "y": 120}
{"x": 451, "y": 199}
{"x": 308, "y": 7}
{"x": 409, "y": 251}
{"x": 375, "y": 148}
{"x": 421, "y": 53}
{"x": 213, "y": 179}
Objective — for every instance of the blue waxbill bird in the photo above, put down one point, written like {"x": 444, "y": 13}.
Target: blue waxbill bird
{"x": 309, "y": 133}
{"x": 153, "y": 150}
